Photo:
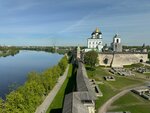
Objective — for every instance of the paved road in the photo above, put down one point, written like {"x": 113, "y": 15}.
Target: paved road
{"x": 48, "y": 100}
{"x": 106, "y": 105}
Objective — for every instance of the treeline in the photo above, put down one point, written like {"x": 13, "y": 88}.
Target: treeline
{"x": 60, "y": 50}
{"x": 29, "y": 96}
{"x": 6, "y": 51}
{"x": 46, "y": 49}
{"x": 137, "y": 47}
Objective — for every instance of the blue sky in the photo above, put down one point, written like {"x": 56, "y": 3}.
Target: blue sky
{"x": 71, "y": 22}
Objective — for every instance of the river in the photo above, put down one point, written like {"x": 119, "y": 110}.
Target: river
{"x": 14, "y": 69}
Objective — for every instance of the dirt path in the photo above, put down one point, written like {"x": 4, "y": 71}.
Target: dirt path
{"x": 48, "y": 100}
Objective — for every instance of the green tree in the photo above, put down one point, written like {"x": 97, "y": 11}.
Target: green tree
{"x": 14, "y": 102}
{"x": 63, "y": 64}
{"x": 91, "y": 58}
{"x": 1, "y": 104}
{"x": 27, "y": 97}
{"x": 48, "y": 80}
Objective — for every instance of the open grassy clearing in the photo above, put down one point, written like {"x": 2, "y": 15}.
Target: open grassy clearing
{"x": 134, "y": 65}
{"x": 143, "y": 108}
{"x": 133, "y": 103}
{"x": 122, "y": 82}
{"x": 107, "y": 93}
{"x": 129, "y": 98}
{"x": 111, "y": 88}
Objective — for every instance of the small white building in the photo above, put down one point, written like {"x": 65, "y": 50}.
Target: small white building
{"x": 95, "y": 42}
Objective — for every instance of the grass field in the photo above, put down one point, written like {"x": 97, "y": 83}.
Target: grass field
{"x": 122, "y": 82}
{"x": 98, "y": 73}
{"x": 131, "y": 102}
{"x": 111, "y": 88}
{"x": 107, "y": 93}
{"x": 57, "y": 104}
{"x": 128, "y": 99}
{"x": 134, "y": 65}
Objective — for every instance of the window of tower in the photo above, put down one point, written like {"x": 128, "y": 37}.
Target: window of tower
{"x": 117, "y": 40}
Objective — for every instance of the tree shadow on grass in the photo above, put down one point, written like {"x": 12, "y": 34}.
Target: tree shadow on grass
{"x": 71, "y": 86}
{"x": 58, "y": 110}
{"x": 90, "y": 68}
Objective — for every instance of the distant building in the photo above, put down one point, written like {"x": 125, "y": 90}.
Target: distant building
{"x": 116, "y": 44}
{"x": 78, "y": 52}
{"x": 95, "y": 42}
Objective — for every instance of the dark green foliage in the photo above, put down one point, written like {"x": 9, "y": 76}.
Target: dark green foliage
{"x": 149, "y": 55}
{"x": 91, "y": 58}
{"x": 1, "y": 104}
{"x": 62, "y": 64}
{"x": 134, "y": 65}
{"x": 54, "y": 49}
{"x": 29, "y": 96}
{"x": 6, "y": 51}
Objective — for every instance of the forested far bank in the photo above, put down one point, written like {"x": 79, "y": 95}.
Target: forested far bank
{"x": 7, "y": 51}
{"x": 51, "y": 49}
{"x": 29, "y": 96}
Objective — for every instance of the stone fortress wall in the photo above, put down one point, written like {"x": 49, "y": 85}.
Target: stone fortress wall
{"x": 121, "y": 59}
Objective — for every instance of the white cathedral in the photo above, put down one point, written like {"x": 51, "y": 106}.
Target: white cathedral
{"x": 95, "y": 42}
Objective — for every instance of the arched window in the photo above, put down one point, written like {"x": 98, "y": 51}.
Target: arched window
{"x": 105, "y": 61}
{"x": 141, "y": 60}
{"x": 117, "y": 40}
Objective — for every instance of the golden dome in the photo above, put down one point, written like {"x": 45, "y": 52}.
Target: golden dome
{"x": 97, "y": 30}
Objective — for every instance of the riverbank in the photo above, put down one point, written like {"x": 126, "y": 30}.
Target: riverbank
{"x": 27, "y": 97}
{"x": 50, "y": 97}
{"x": 7, "y": 51}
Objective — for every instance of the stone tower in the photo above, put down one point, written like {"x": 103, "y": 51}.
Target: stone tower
{"x": 78, "y": 52}
{"x": 95, "y": 42}
{"x": 116, "y": 44}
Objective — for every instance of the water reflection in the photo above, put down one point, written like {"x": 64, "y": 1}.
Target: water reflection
{"x": 14, "y": 69}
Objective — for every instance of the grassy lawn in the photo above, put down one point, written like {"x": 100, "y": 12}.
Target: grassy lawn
{"x": 98, "y": 73}
{"x": 110, "y": 88}
{"x": 128, "y": 99}
{"x": 107, "y": 91}
{"x": 145, "y": 108}
{"x": 133, "y": 103}
{"x": 134, "y": 65}
{"x": 57, "y": 104}
{"x": 147, "y": 74}
{"x": 122, "y": 82}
